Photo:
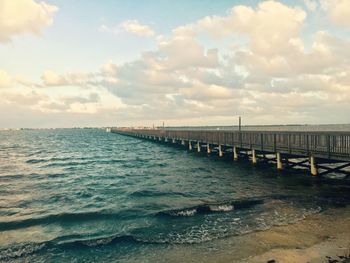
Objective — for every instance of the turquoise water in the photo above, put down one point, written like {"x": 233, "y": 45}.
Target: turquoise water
{"x": 84, "y": 195}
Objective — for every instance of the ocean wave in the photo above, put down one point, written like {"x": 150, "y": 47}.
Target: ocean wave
{"x": 36, "y": 160}
{"x": 154, "y": 193}
{"x": 190, "y": 235}
{"x": 21, "y": 250}
{"x": 184, "y": 212}
{"x": 71, "y": 162}
{"x": 58, "y": 218}
{"x": 212, "y": 208}
{"x": 223, "y": 208}
{"x": 60, "y": 159}
{"x": 98, "y": 241}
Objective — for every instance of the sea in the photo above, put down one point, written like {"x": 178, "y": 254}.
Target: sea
{"x": 87, "y": 195}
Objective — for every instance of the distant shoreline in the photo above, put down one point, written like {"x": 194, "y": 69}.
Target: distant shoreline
{"x": 286, "y": 127}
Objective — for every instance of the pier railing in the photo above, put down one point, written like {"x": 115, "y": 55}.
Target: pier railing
{"x": 328, "y": 145}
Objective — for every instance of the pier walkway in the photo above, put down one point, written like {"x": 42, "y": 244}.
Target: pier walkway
{"x": 320, "y": 152}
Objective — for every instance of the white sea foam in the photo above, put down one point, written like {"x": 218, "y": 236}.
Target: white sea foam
{"x": 221, "y": 208}
{"x": 189, "y": 212}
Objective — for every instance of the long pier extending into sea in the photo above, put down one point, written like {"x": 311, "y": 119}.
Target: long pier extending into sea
{"x": 320, "y": 152}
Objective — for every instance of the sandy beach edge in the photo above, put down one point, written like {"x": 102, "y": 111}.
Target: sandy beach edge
{"x": 322, "y": 237}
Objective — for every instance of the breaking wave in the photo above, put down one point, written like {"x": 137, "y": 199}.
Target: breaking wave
{"x": 213, "y": 208}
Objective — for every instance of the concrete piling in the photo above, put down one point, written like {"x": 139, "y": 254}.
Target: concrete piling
{"x": 313, "y": 167}
{"x": 208, "y": 148}
{"x": 279, "y": 161}
{"x": 254, "y": 160}
{"x": 235, "y": 154}
{"x": 220, "y": 151}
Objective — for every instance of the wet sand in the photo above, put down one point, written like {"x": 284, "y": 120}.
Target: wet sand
{"x": 314, "y": 239}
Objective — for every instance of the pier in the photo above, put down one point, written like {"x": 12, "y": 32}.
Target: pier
{"x": 319, "y": 152}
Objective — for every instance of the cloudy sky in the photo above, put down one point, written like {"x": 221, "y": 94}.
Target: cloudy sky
{"x": 67, "y": 63}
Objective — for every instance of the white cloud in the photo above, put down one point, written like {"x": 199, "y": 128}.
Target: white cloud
{"x": 134, "y": 26}
{"x": 24, "y": 16}
{"x": 51, "y": 78}
{"x": 103, "y": 28}
{"x": 270, "y": 26}
{"x": 5, "y": 79}
{"x": 184, "y": 52}
{"x": 311, "y": 4}
{"x": 109, "y": 68}
{"x": 186, "y": 81}
{"x": 25, "y": 98}
{"x": 339, "y": 11}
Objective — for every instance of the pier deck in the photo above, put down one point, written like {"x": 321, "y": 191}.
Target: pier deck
{"x": 326, "y": 147}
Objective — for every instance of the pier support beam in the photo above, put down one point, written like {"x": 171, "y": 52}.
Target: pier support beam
{"x": 166, "y": 139}
{"x": 160, "y": 138}
{"x": 173, "y": 140}
{"x": 254, "y": 161}
{"x": 313, "y": 167}
{"x": 235, "y": 154}
{"x": 279, "y": 161}
{"x": 198, "y": 147}
{"x": 208, "y": 148}
{"x": 182, "y": 142}
{"x": 190, "y": 145}
{"x": 220, "y": 151}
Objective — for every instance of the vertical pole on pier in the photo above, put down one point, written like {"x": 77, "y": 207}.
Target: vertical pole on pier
{"x": 279, "y": 161}
{"x": 166, "y": 139}
{"x": 198, "y": 147}
{"x": 208, "y": 148}
{"x": 173, "y": 140}
{"x": 313, "y": 167}
{"x": 328, "y": 139}
{"x": 239, "y": 123}
{"x": 220, "y": 151}
{"x": 254, "y": 161}
{"x": 182, "y": 142}
{"x": 154, "y": 137}
{"x": 235, "y": 155}
{"x": 190, "y": 145}
{"x": 239, "y": 131}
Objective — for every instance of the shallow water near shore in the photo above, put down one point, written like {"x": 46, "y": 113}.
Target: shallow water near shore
{"x": 76, "y": 195}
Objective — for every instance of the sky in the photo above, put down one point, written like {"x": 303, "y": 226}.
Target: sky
{"x": 67, "y": 63}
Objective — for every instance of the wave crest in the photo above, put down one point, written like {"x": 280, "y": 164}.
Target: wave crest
{"x": 212, "y": 208}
